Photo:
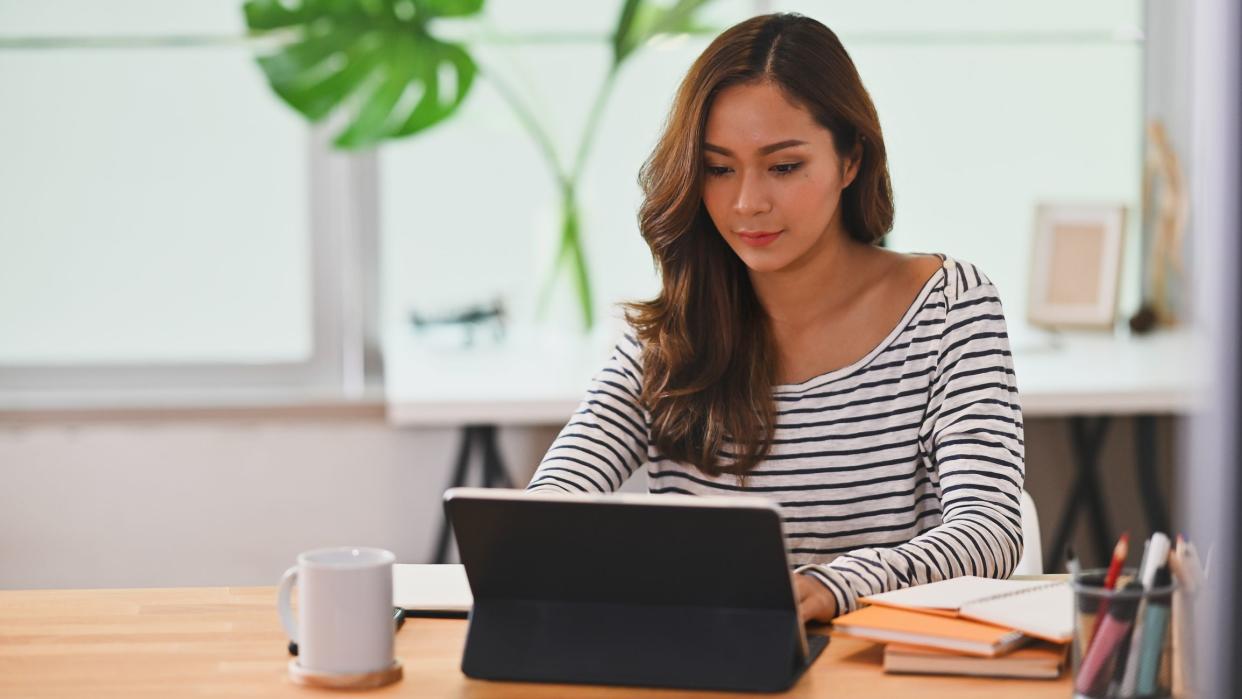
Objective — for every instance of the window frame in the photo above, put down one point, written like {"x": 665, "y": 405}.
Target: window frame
{"x": 344, "y": 360}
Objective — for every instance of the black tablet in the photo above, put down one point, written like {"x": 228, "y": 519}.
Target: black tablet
{"x": 640, "y": 590}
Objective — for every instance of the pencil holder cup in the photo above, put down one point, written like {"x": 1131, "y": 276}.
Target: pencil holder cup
{"x": 1122, "y": 645}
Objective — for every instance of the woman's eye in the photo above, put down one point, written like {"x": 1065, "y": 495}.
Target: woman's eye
{"x": 782, "y": 169}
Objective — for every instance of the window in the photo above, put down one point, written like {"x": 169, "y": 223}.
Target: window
{"x": 165, "y": 221}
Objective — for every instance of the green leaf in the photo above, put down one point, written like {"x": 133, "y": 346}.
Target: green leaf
{"x": 680, "y": 19}
{"x": 622, "y": 36}
{"x": 270, "y": 14}
{"x": 450, "y": 8}
{"x": 374, "y": 60}
{"x": 641, "y": 20}
{"x": 430, "y": 109}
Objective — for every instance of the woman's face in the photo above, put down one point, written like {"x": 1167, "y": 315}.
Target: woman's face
{"x": 772, "y": 178}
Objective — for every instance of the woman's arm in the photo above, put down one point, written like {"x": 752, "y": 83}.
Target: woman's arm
{"x": 973, "y": 437}
{"x": 606, "y": 439}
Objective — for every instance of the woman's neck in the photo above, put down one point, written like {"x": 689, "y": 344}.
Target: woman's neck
{"x": 818, "y": 286}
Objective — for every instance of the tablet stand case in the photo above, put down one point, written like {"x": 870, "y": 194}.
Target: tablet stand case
{"x": 579, "y": 591}
{"x": 647, "y": 646}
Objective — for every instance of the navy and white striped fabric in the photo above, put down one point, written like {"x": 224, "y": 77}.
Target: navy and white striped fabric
{"x": 905, "y": 467}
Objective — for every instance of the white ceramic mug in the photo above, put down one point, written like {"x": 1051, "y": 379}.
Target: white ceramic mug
{"x": 344, "y": 623}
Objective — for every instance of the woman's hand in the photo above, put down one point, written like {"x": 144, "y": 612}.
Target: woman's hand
{"x": 815, "y": 601}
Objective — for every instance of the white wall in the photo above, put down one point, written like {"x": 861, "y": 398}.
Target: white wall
{"x": 159, "y": 502}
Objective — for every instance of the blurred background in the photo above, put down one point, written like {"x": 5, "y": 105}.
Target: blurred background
{"x": 242, "y": 316}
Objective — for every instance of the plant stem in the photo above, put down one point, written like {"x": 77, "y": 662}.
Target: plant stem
{"x": 545, "y": 292}
{"x": 570, "y": 253}
{"x": 581, "y": 275}
{"x": 572, "y": 240}
{"x": 571, "y": 249}
{"x": 528, "y": 121}
{"x": 588, "y": 131}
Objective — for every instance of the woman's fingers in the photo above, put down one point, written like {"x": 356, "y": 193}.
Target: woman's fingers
{"x": 814, "y": 608}
{"x": 809, "y": 604}
{"x": 814, "y": 603}
{"x": 801, "y": 590}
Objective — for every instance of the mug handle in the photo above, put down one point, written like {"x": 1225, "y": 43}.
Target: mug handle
{"x": 282, "y": 603}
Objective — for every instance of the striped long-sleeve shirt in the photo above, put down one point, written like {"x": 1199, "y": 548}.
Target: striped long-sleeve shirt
{"x": 905, "y": 467}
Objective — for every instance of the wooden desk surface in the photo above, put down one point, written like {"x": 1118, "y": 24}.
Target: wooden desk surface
{"x": 228, "y": 642}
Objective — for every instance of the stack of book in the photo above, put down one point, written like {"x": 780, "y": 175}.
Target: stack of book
{"x": 970, "y": 626}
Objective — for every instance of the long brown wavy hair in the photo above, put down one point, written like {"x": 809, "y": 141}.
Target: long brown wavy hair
{"x": 709, "y": 362}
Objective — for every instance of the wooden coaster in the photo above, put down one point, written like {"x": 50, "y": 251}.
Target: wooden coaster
{"x": 335, "y": 680}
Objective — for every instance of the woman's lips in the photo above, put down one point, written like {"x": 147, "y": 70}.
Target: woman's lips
{"x": 758, "y": 238}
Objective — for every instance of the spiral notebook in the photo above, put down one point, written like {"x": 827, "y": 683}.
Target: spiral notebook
{"x": 1040, "y": 608}
{"x": 425, "y": 589}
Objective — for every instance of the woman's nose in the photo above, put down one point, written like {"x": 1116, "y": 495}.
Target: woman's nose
{"x": 752, "y": 197}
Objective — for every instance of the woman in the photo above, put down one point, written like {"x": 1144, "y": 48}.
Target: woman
{"x": 870, "y": 394}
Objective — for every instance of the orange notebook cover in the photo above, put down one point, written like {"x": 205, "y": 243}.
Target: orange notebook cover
{"x": 888, "y": 625}
{"x": 1040, "y": 660}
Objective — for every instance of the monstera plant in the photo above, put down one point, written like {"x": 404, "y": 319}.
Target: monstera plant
{"x": 378, "y": 67}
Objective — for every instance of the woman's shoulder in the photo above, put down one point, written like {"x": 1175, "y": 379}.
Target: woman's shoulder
{"x": 964, "y": 277}
{"x": 628, "y": 348}
{"x": 629, "y": 343}
{"x": 960, "y": 278}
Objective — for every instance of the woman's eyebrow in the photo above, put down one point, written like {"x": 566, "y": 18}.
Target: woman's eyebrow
{"x": 770, "y": 148}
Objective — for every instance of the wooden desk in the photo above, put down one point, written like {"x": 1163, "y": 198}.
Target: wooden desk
{"x": 228, "y": 642}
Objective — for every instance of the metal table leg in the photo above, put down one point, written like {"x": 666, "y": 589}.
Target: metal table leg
{"x": 494, "y": 473}
{"x": 1148, "y": 481}
{"x": 1086, "y": 437}
{"x": 480, "y": 438}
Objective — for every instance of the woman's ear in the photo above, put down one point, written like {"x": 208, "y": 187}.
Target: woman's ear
{"x": 851, "y": 165}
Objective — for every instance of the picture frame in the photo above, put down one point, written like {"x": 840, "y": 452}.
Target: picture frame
{"x": 1076, "y": 265}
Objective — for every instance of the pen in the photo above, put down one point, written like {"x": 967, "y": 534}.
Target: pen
{"x": 1155, "y": 558}
{"x": 1123, "y": 650}
{"x": 1084, "y": 617}
{"x": 1104, "y": 644}
{"x": 1071, "y": 562}
{"x": 1194, "y": 571}
{"x": 1178, "y": 643}
{"x": 1155, "y": 626}
{"x": 436, "y": 614}
{"x": 1183, "y": 618}
{"x": 1120, "y": 551}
